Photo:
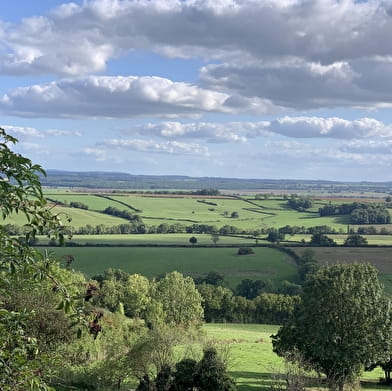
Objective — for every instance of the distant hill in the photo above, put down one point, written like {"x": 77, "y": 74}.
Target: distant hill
{"x": 118, "y": 180}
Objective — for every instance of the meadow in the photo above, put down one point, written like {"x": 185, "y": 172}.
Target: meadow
{"x": 254, "y": 365}
{"x": 155, "y": 210}
{"x": 265, "y": 264}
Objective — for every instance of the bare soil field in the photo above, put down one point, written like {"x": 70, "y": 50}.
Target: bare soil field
{"x": 380, "y": 257}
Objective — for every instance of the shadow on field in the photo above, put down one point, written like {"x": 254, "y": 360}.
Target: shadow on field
{"x": 252, "y": 381}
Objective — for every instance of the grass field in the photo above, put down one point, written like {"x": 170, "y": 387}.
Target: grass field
{"x": 155, "y": 209}
{"x": 254, "y": 365}
{"x": 253, "y": 213}
{"x": 157, "y": 239}
{"x": 266, "y": 263}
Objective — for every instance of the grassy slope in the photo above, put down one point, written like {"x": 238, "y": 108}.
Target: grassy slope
{"x": 253, "y": 364}
{"x": 80, "y": 217}
{"x": 265, "y": 264}
{"x": 157, "y": 210}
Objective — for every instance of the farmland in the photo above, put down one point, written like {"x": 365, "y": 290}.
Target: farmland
{"x": 379, "y": 257}
{"x": 254, "y": 365}
{"x": 265, "y": 264}
{"x": 252, "y": 213}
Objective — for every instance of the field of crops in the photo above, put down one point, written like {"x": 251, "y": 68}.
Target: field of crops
{"x": 265, "y": 264}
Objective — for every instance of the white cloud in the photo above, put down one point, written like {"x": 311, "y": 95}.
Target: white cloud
{"x": 22, "y": 131}
{"x": 302, "y": 85}
{"x": 318, "y": 30}
{"x": 26, "y": 131}
{"x": 97, "y": 153}
{"x": 296, "y": 53}
{"x": 371, "y": 147}
{"x": 241, "y": 132}
{"x": 121, "y": 97}
{"x": 313, "y": 127}
{"x": 212, "y": 132}
{"x": 168, "y": 147}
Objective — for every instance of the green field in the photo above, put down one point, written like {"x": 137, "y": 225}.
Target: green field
{"x": 266, "y": 263}
{"x": 157, "y": 239}
{"x": 186, "y": 210}
{"x": 254, "y": 365}
{"x": 156, "y": 210}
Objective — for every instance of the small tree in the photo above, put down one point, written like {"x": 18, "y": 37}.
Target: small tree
{"x": 211, "y": 373}
{"x": 215, "y": 238}
{"x": 193, "y": 240}
{"x": 234, "y": 215}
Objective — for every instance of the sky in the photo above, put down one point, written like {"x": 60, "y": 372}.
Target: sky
{"x": 279, "y": 89}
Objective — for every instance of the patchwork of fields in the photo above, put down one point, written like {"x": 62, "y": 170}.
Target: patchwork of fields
{"x": 155, "y": 210}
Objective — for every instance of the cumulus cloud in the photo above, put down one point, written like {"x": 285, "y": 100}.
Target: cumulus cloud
{"x": 372, "y": 147}
{"x": 26, "y": 131}
{"x": 97, "y": 153}
{"x": 212, "y": 132}
{"x": 304, "y": 85}
{"x": 313, "y": 127}
{"x": 168, "y": 147}
{"x": 241, "y": 132}
{"x": 321, "y": 30}
{"x": 120, "y": 97}
{"x": 296, "y": 54}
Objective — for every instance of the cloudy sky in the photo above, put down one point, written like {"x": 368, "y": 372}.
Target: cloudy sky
{"x": 297, "y": 89}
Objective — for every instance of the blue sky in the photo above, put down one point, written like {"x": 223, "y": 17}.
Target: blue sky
{"x": 297, "y": 89}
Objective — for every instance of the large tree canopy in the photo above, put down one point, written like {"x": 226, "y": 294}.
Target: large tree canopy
{"x": 341, "y": 325}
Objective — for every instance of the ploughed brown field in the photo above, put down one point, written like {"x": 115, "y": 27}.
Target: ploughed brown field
{"x": 381, "y": 258}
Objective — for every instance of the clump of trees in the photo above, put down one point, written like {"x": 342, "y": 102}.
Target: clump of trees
{"x": 299, "y": 203}
{"x": 79, "y": 205}
{"x": 360, "y": 213}
{"x": 208, "y": 374}
{"x": 125, "y": 214}
{"x": 320, "y": 239}
{"x": 355, "y": 240}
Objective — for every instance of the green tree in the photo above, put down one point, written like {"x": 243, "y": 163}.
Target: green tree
{"x": 341, "y": 325}
{"x": 211, "y": 373}
{"x": 320, "y": 239}
{"x": 355, "y": 240}
{"x": 215, "y": 238}
{"x": 177, "y": 301}
{"x": 193, "y": 240}
{"x": 136, "y": 295}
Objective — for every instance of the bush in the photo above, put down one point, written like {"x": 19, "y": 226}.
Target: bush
{"x": 245, "y": 251}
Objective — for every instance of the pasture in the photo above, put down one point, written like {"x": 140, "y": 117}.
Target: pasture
{"x": 254, "y": 365}
{"x": 155, "y": 210}
{"x": 265, "y": 264}
{"x": 158, "y": 239}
